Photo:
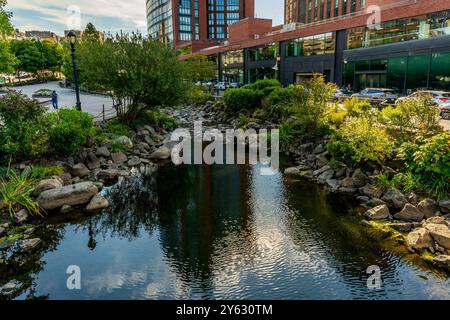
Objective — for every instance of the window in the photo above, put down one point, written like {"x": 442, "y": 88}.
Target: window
{"x": 440, "y": 71}
{"x": 313, "y": 45}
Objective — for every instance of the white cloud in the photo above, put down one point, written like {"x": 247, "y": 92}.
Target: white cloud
{"x": 130, "y": 13}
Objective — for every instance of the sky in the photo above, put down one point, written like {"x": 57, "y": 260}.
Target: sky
{"x": 106, "y": 15}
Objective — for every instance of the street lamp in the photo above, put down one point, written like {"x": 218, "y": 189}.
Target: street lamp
{"x": 225, "y": 65}
{"x": 73, "y": 40}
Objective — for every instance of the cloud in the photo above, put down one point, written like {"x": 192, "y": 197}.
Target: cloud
{"x": 107, "y": 15}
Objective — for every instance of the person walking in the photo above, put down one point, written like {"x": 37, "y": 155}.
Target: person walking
{"x": 55, "y": 100}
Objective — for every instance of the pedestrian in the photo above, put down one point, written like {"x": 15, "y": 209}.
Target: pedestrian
{"x": 55, "y": 100}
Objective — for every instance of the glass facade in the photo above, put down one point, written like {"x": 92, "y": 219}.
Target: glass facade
{"x": 400, "y": 73}
{"x": 233, "y": 57}
{"x": 221, "y": 13}
{"x": 419, "y": 27}
{"x": 256, "y": 74}
{"x": 314, "y": 45}
{"x": 185, "y": 20}
{"x": 265, "y": 53}
{"x": 159, "y": 18}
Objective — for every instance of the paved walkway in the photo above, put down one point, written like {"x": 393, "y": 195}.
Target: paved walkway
{"x": 90, "y": 103}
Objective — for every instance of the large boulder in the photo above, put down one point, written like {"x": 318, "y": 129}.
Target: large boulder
{"x": 440, "y": 233}
{"x": 378, "y": 213}
{"x": 394, "y": 198}
{"x": 444, "y": 205}
{"x": 443, "y": 260}
{"x": 119, "y": 157}
{"x": 409, "y": 213}
{"x": 103, "y": 152}
{"x": 47, "y": 184}
{"x": 371, "y": 191}
{"x": 419, "y": 239}
{"x": 107, "y": 174}
{"x": 21, "y": 216}
{"x": 80, "y": 170}
{"x": 438, "y": 220}
{"x": 92, "y": 161}
{"x": 359, "y": 178}
{"x": 29, "y": 244}
{"x": 98, "y": 202}
{"x": 124, "y": 141}
{"x": 348, "y": 183}
{"x": 318, "y": 172}
{"x": 293, "y": 171}
{"x": 428, "y": 207}
{"x": 72, "y": 195}
{"x": 161, "y": 153}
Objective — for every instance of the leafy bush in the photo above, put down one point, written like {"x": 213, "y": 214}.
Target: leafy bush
{"x": 242, "y": 99}
{"x": 412, "y": 119}
{"x": 363, "y": 140}
{"x": 286, "y": 134}
{"x": 199, "y": 95}
{"x": 267, "y": 85}
{"x": 43, "y": 172}
{"x": 161, "y": 119}
{"x": 69, "y": 130}
{"x": 356, "y": 108}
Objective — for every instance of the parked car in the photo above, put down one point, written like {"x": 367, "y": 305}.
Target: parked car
{"x": 379, "y": 95}
{"x": 235, "y": 85}
{"x": 445, "y": 111}
{"x": 439, "y": 97}
{"x": 222, "y": 85}
{"x": 342, "y": 94}
{"x": 42, "y": 93}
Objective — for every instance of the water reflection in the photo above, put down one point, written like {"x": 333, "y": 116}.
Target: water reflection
{"x": 211, "y": 232}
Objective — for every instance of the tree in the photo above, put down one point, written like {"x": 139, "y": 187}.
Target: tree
{"x": 200, "y": 68}
{"x": 90, "y": 33}
{"x": 138, "y": 72}
{"x": 29, "y": 54}
{"x": 53, "y": 53}
{"x": 7, "y": 58}
{"x": 6, "y": 27}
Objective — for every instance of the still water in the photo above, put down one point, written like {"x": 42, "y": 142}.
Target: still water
{"x": 223, "y": 232}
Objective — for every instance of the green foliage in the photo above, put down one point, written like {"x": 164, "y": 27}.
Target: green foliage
{"x": 69, "y": 130}
{"x": 7, "y": 58}
{"x": 6, "y": 27}
{"x": 16, "y": 192}
{"x": 356, "y": 108}
{"x": 113, "y": 129}
{"x": 199, "y": 95}
{"x": 267, "y": 85}
{"x": 90, "y": 33}
{"x": 363, "y": 140}
{"x": 242, "y": 121}
{"x": 411, "y": 119}
{"x": 286, "y": 134}
{"x": 118, "y": 147}
{"x": 199, "y": 68}
{"x": 242, "y": 99}
{"x": 38, "y": 173}
{"x": 139, "y": 73}
{"x": 161, "y": 119}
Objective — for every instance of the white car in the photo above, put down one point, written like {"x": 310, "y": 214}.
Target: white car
{"x": 380, "y": 94}
{"x": 439, "y": 97}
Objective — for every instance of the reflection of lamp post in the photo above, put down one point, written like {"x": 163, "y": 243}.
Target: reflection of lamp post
{"x": 225, "y": 65}
{"x": 72, "y": 40}
{"x": 278, "y": 68}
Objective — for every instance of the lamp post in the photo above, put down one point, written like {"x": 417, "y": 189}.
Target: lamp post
{"x": 73, "y": 40}
{"x": 278, "y": 67}
{"x": 225, "y": 65}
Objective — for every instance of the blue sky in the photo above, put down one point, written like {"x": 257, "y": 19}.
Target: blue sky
{"x": 107, "y": 15}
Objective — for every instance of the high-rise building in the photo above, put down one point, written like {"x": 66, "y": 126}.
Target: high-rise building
{"x": 195, "y": 23}
{"x": 307, "y": 11}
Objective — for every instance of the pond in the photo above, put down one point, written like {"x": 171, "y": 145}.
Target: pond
{"x": 223, "y": 232}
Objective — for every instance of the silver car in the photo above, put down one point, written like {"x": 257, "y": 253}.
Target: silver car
{"x": 377, "y": 94}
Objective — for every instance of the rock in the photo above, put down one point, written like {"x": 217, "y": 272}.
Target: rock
{"x": 378, "y": 213}
{"x": 76, "y": 194}
{"x": 99, "y": 185}
{"x": 318, "y": 149}
{"x": 10, "y": 288}
{"x": 92, "y": 161}
{"x": 98, "y": 202}
{"x": 347, "y": 190}
{"x": 428, "y": 207}
{"x": 47, "y": 184}
{"x": 119, "y": 157}
{"x": 370, "y": 191}
{"x": 375, "y": 202}
{"x": 440, "y": 233}
{"x": 2, "y": 231}
{"x": 348, "y": 183}
{"x": 325, "y": 176}
{"x": 404, "y": 226}
{"x": 293, "y": 171}
{"x": 419, "y": 239}
{"x": 438, "y": 220}
{"x": 306, "y": 174}
{"x": 443, "y": 260}
{"x": 366, "y": 224}
{"x": 394, "y": 198}
{"x": 413, "y": 198}
{"x": 318, "y": 172}
{"x": 363, "y": 199}
{"x": 161, "y": 154}
{"x": 134, "y": 161}
{"x": 409, "y": 213}
{"x": 444, "y": 205}
{"x": 103, "y": 152}
{"x": 124, "y": 141}
{"x": 359, "y": 178}
{"x": 340, "y": 172}
{"x": 107, "y": 174}
{"x": 333, "y": 184}
{"x": 29, "y": 244}
{"x": 66, "y": 209}
{"x": 150, "y": 129}
{"x": 66, "y": 177}
{"x": 21, "y": 216}
{"x": 80, "y": 170}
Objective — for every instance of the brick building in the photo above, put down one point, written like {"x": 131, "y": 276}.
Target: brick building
{"x": 195, "y": 24}
{"x": 408, "y": 48}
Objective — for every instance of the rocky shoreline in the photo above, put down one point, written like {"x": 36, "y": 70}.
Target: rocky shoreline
{"x": 422, "y": 224}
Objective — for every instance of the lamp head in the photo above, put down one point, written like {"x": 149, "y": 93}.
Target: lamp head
{"x": 72, "y": 37}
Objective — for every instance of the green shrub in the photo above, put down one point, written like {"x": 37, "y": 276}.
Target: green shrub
{"x": 18, "y": 108}
{"x": 278, "y": 102}
{"x": 365, "y": 140}
{"x": 356, "y": 108}
{"x": 161, "y": 119}
{"x": 242, "y": 99}
{"x": 267, "y": 85}
{"x": 341, "y": 151}
{"x": 286, "y": 134}
{"x": 411, "y": 119}
{"x": 199, "y": 95}
{"x": 43, "y": 172}
{"x": 69, "y": 130}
